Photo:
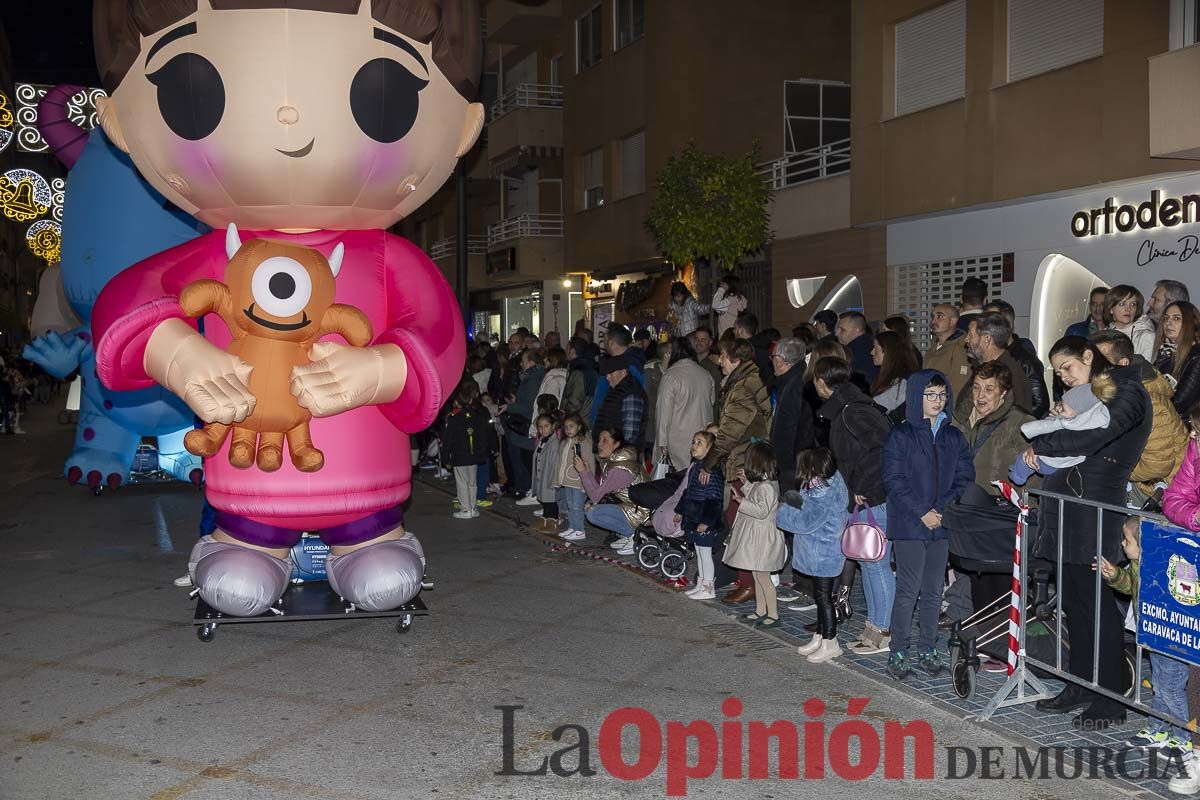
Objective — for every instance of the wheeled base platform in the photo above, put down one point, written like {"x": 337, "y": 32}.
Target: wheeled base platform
{"x": 305, "y": 602}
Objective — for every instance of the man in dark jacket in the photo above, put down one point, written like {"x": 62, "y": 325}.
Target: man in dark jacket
{"x": 581, "y": 379}
{"x": 1095, "y": 318}
{"x": 824, "y": 322}
{"x": 926, "y": 467}
{"x": 855, "y": 336}
{"x": 624, "y": 404}
{"x": 1110, "y": 453}
{"x": 792, "y": 421}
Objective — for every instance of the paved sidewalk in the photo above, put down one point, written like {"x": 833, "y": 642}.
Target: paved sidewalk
{"x": 1037, "y": 728}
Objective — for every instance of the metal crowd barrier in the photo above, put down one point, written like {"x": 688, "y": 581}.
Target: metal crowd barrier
{"x": 1023, "y": 686}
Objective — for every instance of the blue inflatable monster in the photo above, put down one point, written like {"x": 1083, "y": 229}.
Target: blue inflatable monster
{"x": 111, "y": 220}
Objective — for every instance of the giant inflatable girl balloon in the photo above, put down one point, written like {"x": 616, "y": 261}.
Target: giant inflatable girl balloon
{"x": 313, "y": 125}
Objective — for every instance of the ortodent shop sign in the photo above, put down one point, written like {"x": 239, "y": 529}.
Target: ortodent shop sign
{"x": 1114, "y": 217}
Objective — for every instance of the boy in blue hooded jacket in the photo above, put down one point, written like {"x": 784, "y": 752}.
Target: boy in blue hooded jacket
{"x": 927, "y": 465}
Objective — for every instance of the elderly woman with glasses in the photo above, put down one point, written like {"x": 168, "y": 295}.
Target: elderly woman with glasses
{"x": 1123, "y": 306}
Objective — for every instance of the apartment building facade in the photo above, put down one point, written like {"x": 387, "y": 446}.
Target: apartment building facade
{"x": 992, "y": 135}
{"x": 592, "y": 97}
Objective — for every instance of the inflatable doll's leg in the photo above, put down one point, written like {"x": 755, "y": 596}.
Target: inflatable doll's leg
{"x": 241, "y": 449}
{"x": 243, "y": 567}
{"x": 175, "y": 459}
{"x": 103, "y": 451}
{"x": 206, "y": 441}
{"x": 374, "y": 563}
{"x": 270, "y": 451}
{"x": 305, "y": 457}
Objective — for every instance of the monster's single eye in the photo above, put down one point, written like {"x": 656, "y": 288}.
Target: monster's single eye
{"x": 281, "y": 287}
{"x": 384, "y": 99}
{"x": 191, "y": 95}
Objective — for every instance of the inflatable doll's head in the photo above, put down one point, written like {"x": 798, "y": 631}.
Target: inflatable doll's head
{"x": 279, "y": 291}
{"x": 291, "y": 114}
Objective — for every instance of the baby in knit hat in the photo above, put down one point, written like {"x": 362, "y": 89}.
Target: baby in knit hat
{"x": 1081, "y": 410}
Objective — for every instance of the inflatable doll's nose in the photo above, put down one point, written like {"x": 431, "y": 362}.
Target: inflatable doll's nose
{"x": 288, "y": 115}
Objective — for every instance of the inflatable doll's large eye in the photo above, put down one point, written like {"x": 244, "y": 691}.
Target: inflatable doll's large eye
{"x": 384, "y": 99}
{"x": 191, "y": 96}
{"x": 281, "y": 287}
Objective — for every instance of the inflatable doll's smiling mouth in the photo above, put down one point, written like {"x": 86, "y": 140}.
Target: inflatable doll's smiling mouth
{"x": 301, "y": 153}
{"x": 277, "y": 326}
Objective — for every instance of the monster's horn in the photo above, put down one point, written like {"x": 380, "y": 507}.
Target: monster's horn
{"x": 335, "y": 259}
{"x": 233, "y": 242}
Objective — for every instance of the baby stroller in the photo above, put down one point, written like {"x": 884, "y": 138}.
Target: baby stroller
{"x": 987, "y": 547}
{"x": 662, "y": 547}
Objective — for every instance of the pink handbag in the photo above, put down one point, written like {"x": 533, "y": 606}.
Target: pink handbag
{"x": 863, "y": 540}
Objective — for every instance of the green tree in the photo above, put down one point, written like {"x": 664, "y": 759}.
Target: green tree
{"x": 710, "y": 206}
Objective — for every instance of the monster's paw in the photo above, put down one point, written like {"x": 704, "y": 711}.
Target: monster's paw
{"x": 183, "y": 466}
{"x": 57, "y": 355}
{"x": 378, "y": 577}
{"x": 236, "y": 580}
{"x": 96, "y": 467}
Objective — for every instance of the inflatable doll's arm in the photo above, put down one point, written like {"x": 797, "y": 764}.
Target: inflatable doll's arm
{"x": 207, "y": 296}
{"x": 347, "y": 322}
{"x": 140, "y": 299}
{"x": 423, "y": 320}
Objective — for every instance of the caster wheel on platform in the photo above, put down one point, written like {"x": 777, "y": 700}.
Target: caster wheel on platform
{"x": 649, "y": 555}
{"x": 673, "y": 565}
{"x": 405, "y": 624}
{"x": 962, "y": 676}
{"x": 206, "y": 632}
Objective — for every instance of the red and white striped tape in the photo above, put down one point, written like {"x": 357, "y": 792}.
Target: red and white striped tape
{"x": 1014, "y": 608}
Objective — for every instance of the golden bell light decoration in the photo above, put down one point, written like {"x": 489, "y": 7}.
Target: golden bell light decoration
{"x": 24, "y": 195}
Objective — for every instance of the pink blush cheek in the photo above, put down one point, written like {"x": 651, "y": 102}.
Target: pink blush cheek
{"x": 384, "y": 166}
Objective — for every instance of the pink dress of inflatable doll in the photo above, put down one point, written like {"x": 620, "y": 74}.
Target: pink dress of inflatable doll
{"x": 316, "y": 125}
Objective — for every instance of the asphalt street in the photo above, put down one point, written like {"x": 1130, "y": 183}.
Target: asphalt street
{"x": 106, "y": 692}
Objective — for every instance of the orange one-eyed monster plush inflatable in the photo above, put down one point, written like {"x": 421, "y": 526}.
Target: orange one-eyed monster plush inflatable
{"x": 277, "y": 301}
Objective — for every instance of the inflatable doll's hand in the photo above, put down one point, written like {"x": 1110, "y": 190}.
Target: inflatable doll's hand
{"x": 213, "y": 383}
{"x": 341, "y": 378}
{"x": 58, "y": 356}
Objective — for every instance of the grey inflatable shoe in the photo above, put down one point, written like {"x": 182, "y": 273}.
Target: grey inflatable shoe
{"x": 379, "y": 577}
{"x": 236, "y": 580}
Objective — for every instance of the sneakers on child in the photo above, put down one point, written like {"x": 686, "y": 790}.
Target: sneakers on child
{"x": 786, "y": 594}
{"x": 704, "y": 591}
{"x": 803, "y": 602}
{"x": 930, "y": 661}
{"x": 572, "y": 535}
{"x": 898, "y": 666}
{"x": 1188, "y": 782}
{"x": 871, "y": 641}
{"x": 468, "y": 513}
{"x": 529, "y": 500}
{"x": 483, "y": 503}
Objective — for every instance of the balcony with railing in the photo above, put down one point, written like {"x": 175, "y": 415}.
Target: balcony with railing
{"x": 810, "y": 190}
{"x": 526, "y": 128}
{"x": 448, "y": 247}
{"x": 525, "y": 247}
{"x": 548, "y": 226}
{"x": 810, "y": 165}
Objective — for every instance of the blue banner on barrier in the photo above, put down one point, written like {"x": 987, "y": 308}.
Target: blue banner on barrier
{"x": 1169, "y": 592}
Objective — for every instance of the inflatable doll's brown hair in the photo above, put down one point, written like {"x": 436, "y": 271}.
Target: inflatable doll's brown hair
{"x": 452, "y": 26}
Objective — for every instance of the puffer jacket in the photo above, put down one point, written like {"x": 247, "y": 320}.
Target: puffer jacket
{"x": 1181, "y": 501}
{"x": 1165, "y": 450}
{"x": 1003, "y": 443}
{"x": 857, "y": 431}
{"x": 744, "y": 413}
{"x": 626, "y": 459}
{"x": 923, "y": 469}
{"x": 579, "y": 388}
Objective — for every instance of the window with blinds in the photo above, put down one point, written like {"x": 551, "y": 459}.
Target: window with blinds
{"x": 917, "y": 288}
{"x": 593, "y": 178}
{"x": 931, "y": 58}
{"x": 587, "y": 40}
{"x": 1049, "y": 34}
{"x": 633, "y": 164}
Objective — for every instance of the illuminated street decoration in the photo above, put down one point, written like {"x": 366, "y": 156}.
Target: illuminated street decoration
{"x": 58, "y": 193}
{"x": 24, "y": 195}
{"x": 44, "y": 239}
{"x": 7, "y": 122}
{"x": 81, "y": 109}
